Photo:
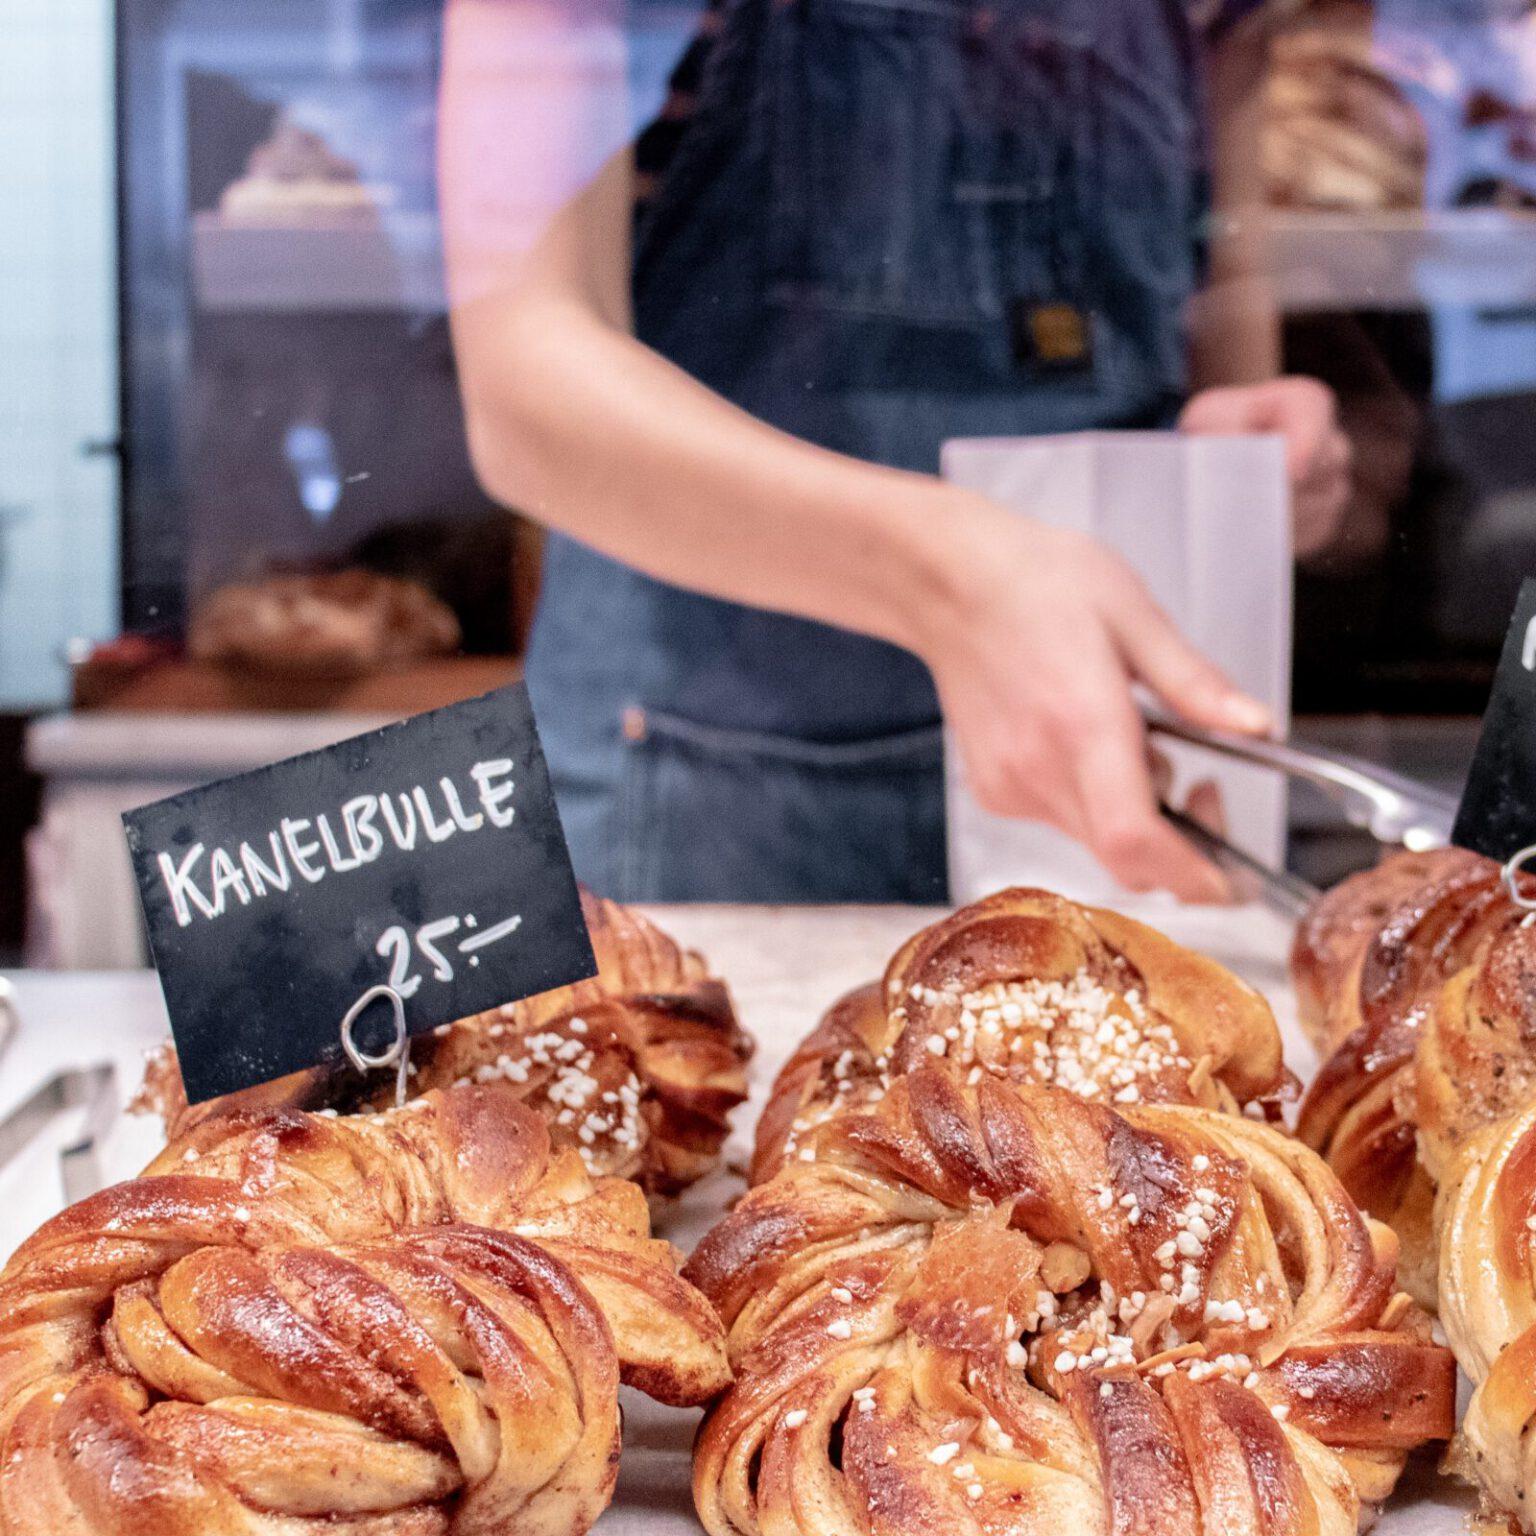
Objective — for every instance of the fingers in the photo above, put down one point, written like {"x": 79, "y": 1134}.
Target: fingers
{"x": 1318, "y": 455}
{"x": 1322, "y": 497}
{"x": 1036, "y": 683}
{"x": 1121, "y": 823}
{"x": 1214, "y": 412}
{"x": 1303, "y": 411}
{"x": 1155, "y": 653}
{"x": 1081, "y": 765}
{"x": 1204, "y": 804}
{"x": 1331, "y": 462}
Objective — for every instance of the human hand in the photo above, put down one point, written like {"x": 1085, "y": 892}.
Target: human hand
{"x": 1318, "y": 456}
{"x": 1035, "y": 636}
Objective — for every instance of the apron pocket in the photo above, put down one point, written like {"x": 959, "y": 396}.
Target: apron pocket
{"x": 714, "y": 814}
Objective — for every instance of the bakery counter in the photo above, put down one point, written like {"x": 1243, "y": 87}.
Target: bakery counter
{"x": 784, "y": 966}
{"x": 159, "y": 730}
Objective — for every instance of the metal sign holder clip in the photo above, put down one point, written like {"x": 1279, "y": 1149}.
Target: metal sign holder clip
{"x": 1511, "y": 876}
{"x": 396, "y": 1054}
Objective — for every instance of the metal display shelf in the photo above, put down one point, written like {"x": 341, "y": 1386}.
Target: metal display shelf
{"x": 390, "y": 261}
{"x": 1483, "y": 257}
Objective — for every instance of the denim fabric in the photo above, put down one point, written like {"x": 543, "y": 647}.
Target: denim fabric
{"x": 868, "y": 194}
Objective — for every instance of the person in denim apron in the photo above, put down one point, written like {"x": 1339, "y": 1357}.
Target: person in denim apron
{"x": 884, "y": 223}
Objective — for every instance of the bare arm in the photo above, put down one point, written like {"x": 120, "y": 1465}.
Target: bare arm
{"x": 1034, "y": 636}
{"x": 1235, "y": 326}
{"x": 1235, "y": 323}
{"x": 576, "y": 423}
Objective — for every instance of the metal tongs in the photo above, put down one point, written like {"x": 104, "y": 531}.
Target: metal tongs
{"x": 93, "y": 1088}
{"x": 1392, "y": 808}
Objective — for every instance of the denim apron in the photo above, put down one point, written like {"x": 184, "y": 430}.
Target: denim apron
{"x": 882, "y": 219}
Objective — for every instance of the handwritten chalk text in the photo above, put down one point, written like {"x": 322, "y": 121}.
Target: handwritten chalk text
{"x": 206, "y": 883}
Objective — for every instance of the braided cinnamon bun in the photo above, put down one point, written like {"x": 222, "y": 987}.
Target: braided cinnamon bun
{"x": 1371, "y": 962}
{"x": 1474, "y": 1093}
{"x": 1026, "y": 985}
{"x": 637, "y": 1069}
{"x": 1427, "y": 1110}
{"x": 1487, "y": 1275}
{"x": 1006, "y": 1307}
{"x": 413, "y": 1323}
{"x": 1329, "y": 957}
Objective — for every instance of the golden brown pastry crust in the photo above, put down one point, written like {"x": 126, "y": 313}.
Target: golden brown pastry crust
{"x": 637, "y": 1069}
{"x": 1003, "y": 1306}
{"x": 1373, "y": 957}
{"x": 1358, "y": 916}
{"x": 1475, "y": 1093}
{"x": 1486, "y": 1212}
{"x": 1427, "y": 1109}
{"x": 1027, "y": 985}
{"x": 411, "y": 1322}
{"x": 1339, "y": 131}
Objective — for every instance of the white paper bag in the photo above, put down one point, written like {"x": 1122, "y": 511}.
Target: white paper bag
{"x": 1206, "y": 522}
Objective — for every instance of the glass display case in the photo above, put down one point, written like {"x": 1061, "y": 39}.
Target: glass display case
{"x": 289, "y": 391}
{"x": 288, "y": 384}
{"x": 290, "y": 397}
{"x": 1401, "y": 157}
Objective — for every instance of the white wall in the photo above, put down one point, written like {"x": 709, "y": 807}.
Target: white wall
{"x": 58, "y": 508}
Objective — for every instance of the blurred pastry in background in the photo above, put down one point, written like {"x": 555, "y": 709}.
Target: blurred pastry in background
{"x": 1496, "y": 192}
{"x": 1339, "y": 132}
{"x": 295, "y": 176}
{"x": 337, "y": 624}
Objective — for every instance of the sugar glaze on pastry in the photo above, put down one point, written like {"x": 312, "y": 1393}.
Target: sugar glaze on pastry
{"x": 1001, "y": 1307}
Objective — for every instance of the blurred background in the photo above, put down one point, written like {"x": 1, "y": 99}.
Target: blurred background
{"x": 236, "y": 508}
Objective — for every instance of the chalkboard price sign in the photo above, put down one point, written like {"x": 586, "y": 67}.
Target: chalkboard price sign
{"x": 1497, "y": 815}
{"x": 426, "y": 856}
